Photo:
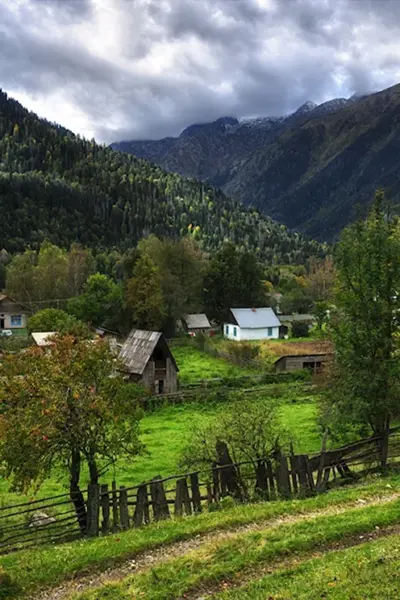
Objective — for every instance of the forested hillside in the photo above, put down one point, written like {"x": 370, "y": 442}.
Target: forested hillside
{"x": 309, "y": 170}
{"x": 55, "y": 185}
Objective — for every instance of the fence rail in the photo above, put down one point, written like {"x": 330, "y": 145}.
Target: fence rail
{"x": 104, "y": 509}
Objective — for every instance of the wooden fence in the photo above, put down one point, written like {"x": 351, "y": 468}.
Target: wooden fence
{"x": 111, "y": 509}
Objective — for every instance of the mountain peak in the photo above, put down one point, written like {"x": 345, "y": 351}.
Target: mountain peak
{"x": 219, "y": 126}
{"x": 306, "y": 107}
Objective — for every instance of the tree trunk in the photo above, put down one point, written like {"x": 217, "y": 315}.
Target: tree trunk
{"x": 75, "y": 493}
{"x": 384, "y": 445}
{"x": 93, "y": 470}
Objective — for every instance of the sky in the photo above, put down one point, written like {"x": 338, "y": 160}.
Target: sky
{"x": 145, "y": 69}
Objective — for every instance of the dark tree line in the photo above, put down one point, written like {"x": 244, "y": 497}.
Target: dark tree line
{"x": 57, "y": 186}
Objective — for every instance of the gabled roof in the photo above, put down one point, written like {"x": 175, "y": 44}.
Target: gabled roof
{"x": 255, "y": 318}
{"x": 138, "y": 348}
{"x": 197, "y": 321}
{"x": 42, "y": 337}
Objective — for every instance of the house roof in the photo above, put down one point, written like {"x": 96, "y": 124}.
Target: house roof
{"x": 197, "y": 321}
{"x": 291, "y": 318}
{"x": 41, "y": 337}
{"x": 311, "y": 355}
{"x": 138, "y": 348}
{"x": 2, "y": 297}
{"x": 255, "y": 318}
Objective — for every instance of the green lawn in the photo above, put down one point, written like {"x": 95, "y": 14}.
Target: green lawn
{"x": 195, "y": 365}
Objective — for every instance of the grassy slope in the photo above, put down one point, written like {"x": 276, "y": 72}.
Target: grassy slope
{"x": 49, "y": 566}
{"x": 195, "y": 365}
{"x": 371, "y": 571}
{"x": 221, "y": 562}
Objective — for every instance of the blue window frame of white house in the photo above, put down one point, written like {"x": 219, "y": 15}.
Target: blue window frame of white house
{"x": 235, "y": 331}
{"x": 16, "y": 321}
{"x": 269, "y": 332}
{"x": 227, "y": 329}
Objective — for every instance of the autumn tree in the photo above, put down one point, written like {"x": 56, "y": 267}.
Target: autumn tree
{"x": 365, "y": 389}
{"x": 321, "y": 278}
{"x": 143, "y": 296}
{"x": 65, "y": 411}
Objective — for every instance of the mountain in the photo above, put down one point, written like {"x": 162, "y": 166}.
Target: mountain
{"x": 310, "y": 169}
{"x": 55, "y": 185}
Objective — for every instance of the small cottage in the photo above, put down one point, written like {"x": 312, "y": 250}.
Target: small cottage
{"x": 296, "y": 362}
{"x": 252, "y": 324}
{"x": 148, "y": 359}
{"x": 196, "y": 323}
{"x": 12, "y": 315}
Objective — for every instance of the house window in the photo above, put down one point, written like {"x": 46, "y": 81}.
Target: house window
{"x": 16, "y": 321}
{"x": 269, "y": 332}
{"x": 235, "y": 331}
{"x": 227, "y": 329}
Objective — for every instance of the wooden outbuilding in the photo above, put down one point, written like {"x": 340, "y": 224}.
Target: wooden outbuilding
{"x": 196, "y": 323}
{"x": 296, "y": 362}
{"x": 147, "y": 359}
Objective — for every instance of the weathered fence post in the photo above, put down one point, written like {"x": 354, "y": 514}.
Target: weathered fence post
{"x": 105, "y": 508}
{"x": 261, "y": 479}
{"x": 196, "y": 496}
{"x": 182, "y": 498}
{"x": 282, "y": 476}
{"x": 159, "y": 499}
{"x": 215, "y": 487}
{"x": 115, "y": 526}
{"x": 302, "y": 474}
{"x": 123, "y": 507}
{"x": 271, "y": 481}
{"x": 93, "y": 505}
{"x": 228, "y": 473}
{"x": 385, "y": 447}
{"x": 322, "y": 462}
{"x": 293, "y": 469}
{"x": 142, "y": 515}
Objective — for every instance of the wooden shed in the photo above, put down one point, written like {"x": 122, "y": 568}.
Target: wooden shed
{"x": 196, "y": 323}
{"x": 148, "y": 359}
{"x": 296, "y": 362}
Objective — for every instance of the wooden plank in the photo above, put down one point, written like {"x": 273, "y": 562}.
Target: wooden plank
{"x": 261, "y": 479}
{"x": 159, "y": 500}
{"x": 322, "y": 459}
{"x": 123, "y": 508}
{"x": 271, "y": 481}
{"x": 115, "y": 525}
{"x": 141, "y": 515}
{"x": 105, "y": 508}
{"x": 93, "y": 509}
{"x": 302, "y": 475}
{"x": 282, "y": 476}
{"x": 196, "y": 497}
{"x": 293, "y": 471}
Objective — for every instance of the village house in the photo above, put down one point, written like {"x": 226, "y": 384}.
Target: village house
{"x": 251, "y": 324}
{"x": 147, "y": 359}
{"x": 43, "y": 338}
{"x": 296, "y": 362}
{"x": 13, "y": 315}
{"x": 196, "y": 323}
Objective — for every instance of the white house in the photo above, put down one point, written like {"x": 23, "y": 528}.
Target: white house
{"x": 252, "y": 324}
{"x": 12, "y": 314}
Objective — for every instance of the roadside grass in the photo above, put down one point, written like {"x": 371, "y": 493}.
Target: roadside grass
{"x": 32, "y": 569}
{"x": 216, "y": 562}
{"x": 195, "y": 365}
{"x": 370, "y": 571}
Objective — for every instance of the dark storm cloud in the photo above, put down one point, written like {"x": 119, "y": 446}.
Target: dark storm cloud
{"x": 148, "y": 68}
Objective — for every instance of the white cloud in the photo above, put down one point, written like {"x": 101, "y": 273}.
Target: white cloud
{"x": 147, "y": 68}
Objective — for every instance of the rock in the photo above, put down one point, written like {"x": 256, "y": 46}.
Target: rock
{"x": 41, "y": 519}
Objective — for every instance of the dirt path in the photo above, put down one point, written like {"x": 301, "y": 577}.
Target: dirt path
{"x": 144, "y": 561}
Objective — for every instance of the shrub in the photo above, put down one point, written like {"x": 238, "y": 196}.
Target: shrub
{"x": 300, "y": 329}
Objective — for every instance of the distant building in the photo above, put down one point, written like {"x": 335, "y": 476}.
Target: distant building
{"x": 43, "y": 338}
{"x": 13, "y": 315}
{"x": 196, "y": 323}
{"x": 147, "y": 359}
{"x": 252, "y": 324}
{"x": 297, "y": 362}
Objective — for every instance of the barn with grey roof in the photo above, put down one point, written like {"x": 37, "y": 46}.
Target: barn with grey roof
{"x": 146, "y": 358}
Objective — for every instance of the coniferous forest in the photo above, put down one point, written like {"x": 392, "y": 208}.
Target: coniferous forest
{"x": 57, "y": 186}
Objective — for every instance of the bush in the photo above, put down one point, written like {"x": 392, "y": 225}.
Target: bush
{"x": 300, "y": 329}
{"x": 243, "y": 351}
{"x": 8, "y": 587}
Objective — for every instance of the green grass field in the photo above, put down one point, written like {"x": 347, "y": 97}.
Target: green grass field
{"x": 195, "y": 365}
{"x": 165, "y": 433}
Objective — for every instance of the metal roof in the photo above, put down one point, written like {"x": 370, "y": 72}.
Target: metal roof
{"x": 255, "y": 318}
{"x": 41, "y": 337}
{"x": 138, "y": 348}
{"x": 197, "y": 321}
